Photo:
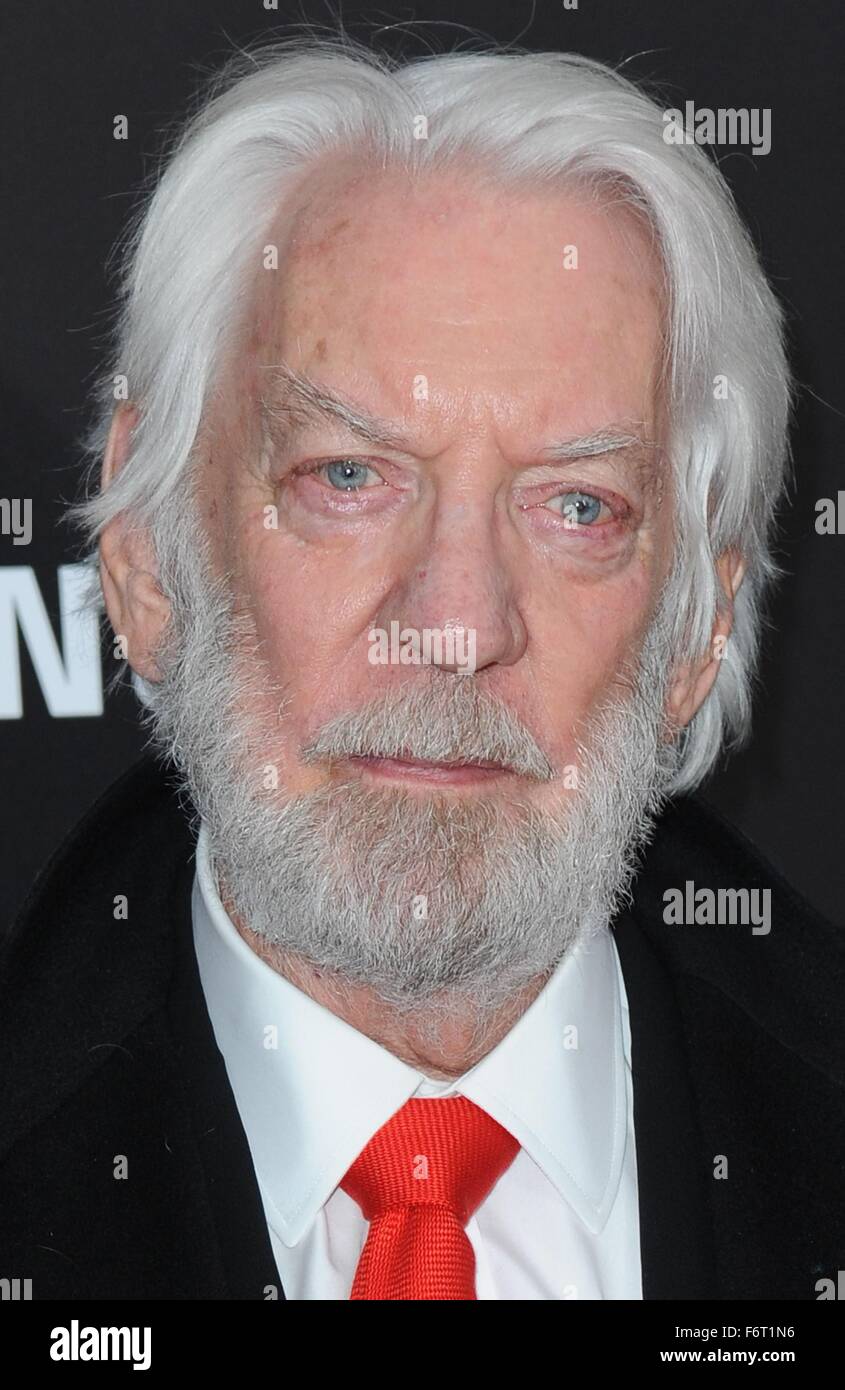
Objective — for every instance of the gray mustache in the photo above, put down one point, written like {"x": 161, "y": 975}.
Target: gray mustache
{"x": 448, "y": 720}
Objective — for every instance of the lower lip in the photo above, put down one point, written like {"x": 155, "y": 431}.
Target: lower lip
{"x": 456, "y": 775}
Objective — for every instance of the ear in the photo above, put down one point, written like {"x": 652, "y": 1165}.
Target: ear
{"x": 137, "y": 609}
{"x": 693, "y": 683}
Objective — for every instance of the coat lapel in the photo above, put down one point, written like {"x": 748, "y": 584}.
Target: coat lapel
{"x": 231, "y": 1187}
{"x": 676, "y": 1238}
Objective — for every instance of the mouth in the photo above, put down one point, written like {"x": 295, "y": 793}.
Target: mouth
{"x": 422, "y": 770}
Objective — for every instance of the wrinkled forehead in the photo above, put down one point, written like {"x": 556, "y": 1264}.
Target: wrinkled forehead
{"x": 538, "y": 298}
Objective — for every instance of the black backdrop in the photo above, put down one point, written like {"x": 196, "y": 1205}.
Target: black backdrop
{"x": 71, "y": 67}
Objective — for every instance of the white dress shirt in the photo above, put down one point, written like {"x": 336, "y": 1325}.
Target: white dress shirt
{"x": 562, "y": 1221}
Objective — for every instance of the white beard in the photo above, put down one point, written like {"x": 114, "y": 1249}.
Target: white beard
{"x": 433, "y": 901}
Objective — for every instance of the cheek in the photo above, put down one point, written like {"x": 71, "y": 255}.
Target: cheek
{"x": 582, "y": 641}
{"x": 292, "y": 621}
{"x": 311, "y": 638}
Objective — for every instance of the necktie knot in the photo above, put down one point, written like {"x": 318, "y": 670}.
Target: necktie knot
{"x": 418, "y": 1181}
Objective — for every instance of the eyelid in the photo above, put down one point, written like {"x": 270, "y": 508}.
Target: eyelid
{"x": 600, "y": 475}
{"x": 309, "y": 444}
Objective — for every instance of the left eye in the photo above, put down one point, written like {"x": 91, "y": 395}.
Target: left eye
{"x": 578, "y": 508}
{"x": 346, "y": 475}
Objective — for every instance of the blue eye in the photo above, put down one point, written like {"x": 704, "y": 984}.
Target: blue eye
{"x": 579, "y": 508}
{"x": 346, "y": 474}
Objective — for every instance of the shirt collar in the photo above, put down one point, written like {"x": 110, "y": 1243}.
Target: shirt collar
{"x": 312, "y": 1090}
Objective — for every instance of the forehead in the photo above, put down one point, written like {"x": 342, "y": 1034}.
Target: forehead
{"x": 534, "y": 297}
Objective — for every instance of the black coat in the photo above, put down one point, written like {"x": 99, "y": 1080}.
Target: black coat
{"x": 106, "y": 1049}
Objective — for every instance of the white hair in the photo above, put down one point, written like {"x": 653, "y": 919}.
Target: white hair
{"x": 550, "y": 119}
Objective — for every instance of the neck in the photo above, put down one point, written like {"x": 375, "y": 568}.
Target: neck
{"x": 441, "y": 1042}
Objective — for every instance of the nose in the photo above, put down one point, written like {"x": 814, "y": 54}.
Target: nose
{"x": 459, "y": 581}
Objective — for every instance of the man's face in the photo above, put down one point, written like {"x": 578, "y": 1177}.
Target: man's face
{"x": 485, "y": 328}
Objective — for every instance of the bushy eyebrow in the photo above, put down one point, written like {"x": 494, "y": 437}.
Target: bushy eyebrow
{"x": 294, "y": 400}
{"x": 604, "y": 441}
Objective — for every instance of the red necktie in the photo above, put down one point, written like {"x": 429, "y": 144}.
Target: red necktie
{"x": 418, "y": 1182}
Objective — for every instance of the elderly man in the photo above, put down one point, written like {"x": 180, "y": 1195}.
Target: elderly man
{"x": 439, "y": 449}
